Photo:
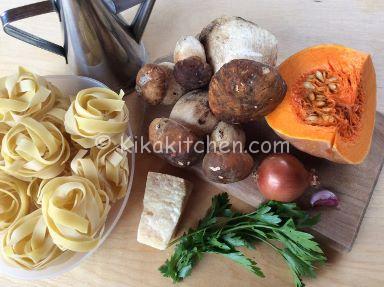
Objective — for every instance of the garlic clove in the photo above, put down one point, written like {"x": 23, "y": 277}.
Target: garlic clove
{"x": 324, "y": 198}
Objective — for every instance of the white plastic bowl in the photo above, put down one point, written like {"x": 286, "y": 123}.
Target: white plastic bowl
{"x": 70, "y": 85}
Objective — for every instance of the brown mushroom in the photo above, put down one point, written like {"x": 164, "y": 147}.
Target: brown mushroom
{"x": 174, "y": 142}
{"x": 227, "y": 137}
{"x": 157, "y": 85}
{"x": 174, "y": 90}
{"x": 191, "y": 69}
{"x": 152, "y": 83}
{"x": 227, "y": 167}
{"x": 245, "y": 90}
{"x": 192, "y": 110}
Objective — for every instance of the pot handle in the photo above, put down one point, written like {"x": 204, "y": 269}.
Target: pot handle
{"x": 117, "y": 6}
{"x": 141, "y": 18}
{"x": 31, "y": 10}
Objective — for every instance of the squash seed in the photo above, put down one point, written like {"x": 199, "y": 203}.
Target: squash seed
{"x": 309, "y": 86}
{"x": 319, "y": 104}
{"x": 319, "y": 75}
{"x": 318, "y": 86}
{"x": 325, "y": 74}
{"x": 311, "y": 96}
{"x": 312, "y": 118}
{"x": 332, "y": 87}
{"x": 320, "y": 97}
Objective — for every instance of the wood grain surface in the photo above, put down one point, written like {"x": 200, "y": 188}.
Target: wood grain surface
{"x": 353, "y": 184}
{"x": 121, "y": 261}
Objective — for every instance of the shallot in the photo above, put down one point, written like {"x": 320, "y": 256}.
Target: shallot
{"x": 282, "y": 177}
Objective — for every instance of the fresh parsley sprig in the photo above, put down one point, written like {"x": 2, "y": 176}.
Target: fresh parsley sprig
{"x": 222, "y": 230}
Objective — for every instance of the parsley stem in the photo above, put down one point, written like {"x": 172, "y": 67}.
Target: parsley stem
{"x": 248, "y": 226}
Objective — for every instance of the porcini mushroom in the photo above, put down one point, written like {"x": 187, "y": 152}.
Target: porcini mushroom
{"x": 191, "y": 69}
{"x": 227, "y": 137}
{"x": 157, "y": 85}
{"x": 188, "y": 46}
{"x": 152, "y": 83}
{"x": 174, "y": 142}
{"x": 192, "y": 110}
{"x": 174, "y": 90}
{"x": 245, "y": 90}
{"x": 227, "y": 167}
{"x": 228, "y": 38}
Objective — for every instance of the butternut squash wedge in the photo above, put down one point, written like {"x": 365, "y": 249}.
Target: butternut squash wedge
{"x": 330, "y": 105}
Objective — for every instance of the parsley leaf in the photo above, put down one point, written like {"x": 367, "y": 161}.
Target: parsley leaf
{"x": 222, "y": 230}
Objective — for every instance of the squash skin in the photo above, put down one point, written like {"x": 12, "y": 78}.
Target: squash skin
{"x": 320, "y": 141}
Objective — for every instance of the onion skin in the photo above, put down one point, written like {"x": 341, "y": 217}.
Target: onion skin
{"x": 282, "y": 177}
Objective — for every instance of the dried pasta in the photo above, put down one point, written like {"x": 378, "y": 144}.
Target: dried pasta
{"x": 74, "y": 211}
{"x": 50, "y": 204}
{"x": 14, "y": 202}
{"x": 34, "y": 191}
{"x": 107, "y": 167}
{"x": 25, "y": 94}
{"x": 28, "y": 244}
{"x": 97, "y": 114}
{"x": 34, "y": 149}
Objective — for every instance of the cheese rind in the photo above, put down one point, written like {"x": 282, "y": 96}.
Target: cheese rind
{"x": 164, "y": 200}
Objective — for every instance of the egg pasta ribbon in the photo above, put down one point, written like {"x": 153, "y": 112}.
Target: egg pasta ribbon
{"x": 27, "y": 243}
{"x": 74, "y": 212}
{"x": 94, "y": 114}
{"x": 56, "y": 115}
{"x": 34, "y": 191}
{"x": 107, "y": 167}
{"x": 14, "y": 202}
{"x": 34, "y": 149}
{"x": 25, "y": 94}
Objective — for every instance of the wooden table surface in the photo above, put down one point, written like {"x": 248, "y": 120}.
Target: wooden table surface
{"x": 121, "y": 261}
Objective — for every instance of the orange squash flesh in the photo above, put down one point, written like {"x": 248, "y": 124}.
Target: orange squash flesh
{"x": 346, "y": 135}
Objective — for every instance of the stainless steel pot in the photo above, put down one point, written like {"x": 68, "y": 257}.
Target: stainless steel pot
{"x": 98, "y": 43}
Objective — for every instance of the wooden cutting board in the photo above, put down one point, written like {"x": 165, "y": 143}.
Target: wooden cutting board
{"x": 353, "y": 184}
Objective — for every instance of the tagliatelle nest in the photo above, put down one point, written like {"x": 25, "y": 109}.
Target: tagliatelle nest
{"x": 28, "y": 244}
{"x": 25, "y": 95}
{"x": 14, "y": 202}
{"x": 34, "y": 149}
{"x": 74, "y": 212}
{"x": 47, "y": 207}
{"x": 94, "y": 114}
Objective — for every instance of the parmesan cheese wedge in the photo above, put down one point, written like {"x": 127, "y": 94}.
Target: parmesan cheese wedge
{"x": 164, "y": 200}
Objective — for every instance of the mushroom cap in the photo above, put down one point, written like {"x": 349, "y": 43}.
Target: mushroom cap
{"x": 227, "y": 167}
{"x": 174, "y": 90}
{"x": 192, "y": 73}
{"x": 192, "y": 110}
{"x": 173, "y": 142}
{"x": 188, "y": 46}
{"x": 227, "y": 38}
{"x": 227, "y": 136}
{"x": 245, "y": 90}
{"x": 152, "y": 83}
